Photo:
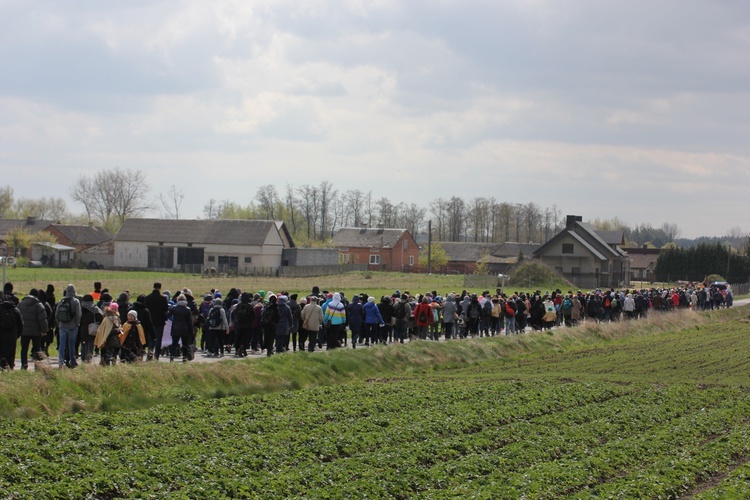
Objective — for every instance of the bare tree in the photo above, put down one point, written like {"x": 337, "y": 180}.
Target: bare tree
{"x": 327, "y": 197}
{"x": 41, "y": 208}
{"x": 211, "y": 209}
{"x": 309, "y": 206}
{"x": 456, "y": 216}
{"x": 172, "y": 202}
{"x": 438, "y": 209}
{"x": 111, "y": 196}
{"x": 267, "y": 198}
{"x": 291, "y": 206}
{"x": 671, "y": 231}
{"x": 353, "y": 200}
{"x": 387, "y": 213}
{"x": 6, "y": 201}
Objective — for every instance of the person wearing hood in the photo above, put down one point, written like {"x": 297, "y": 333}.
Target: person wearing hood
{"x": 243, "y": 317}
{"x": 91, "y": 318}
{"x": 269, "y": 319}
{"x": 450, "y": 315}
{"x": 107, "y": 338}
{"x": 11, "y": 328}
{"x": 182, "y": 329}
{"x": 35, "y": 326}
{"x": 49, "y": 306}
{"x": 217, "y": 324}
{"x": 124, "y": 305}
{"x": 204, "y": 308}
{"x": 68, "y": 317}
{"x": 334, "y": 320}
{"x": 132, "y": 339}
{"x": 373, "y": 321}
{"x": 355, "y": 312}
{"x": 284, "y": 325}
{"x": 401, "y": 312}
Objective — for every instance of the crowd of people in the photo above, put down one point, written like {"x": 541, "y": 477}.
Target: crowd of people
{"x": 265, "y": 323}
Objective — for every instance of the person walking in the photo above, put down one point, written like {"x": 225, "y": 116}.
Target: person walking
{"x": 35, "y": 326}
{"x": 11, "y": 328}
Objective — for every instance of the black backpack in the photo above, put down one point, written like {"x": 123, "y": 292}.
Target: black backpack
{"x": 487, "y": 308}
{"x": 214, "y": 317}
{"x": 65, "y": 310}
{"x": 400, "y": 310}
{"x": 7, "y": 319}
{"x": 269, "y": 316}
{"x": 474, "y": 311}
{"x": 243, "y": 313}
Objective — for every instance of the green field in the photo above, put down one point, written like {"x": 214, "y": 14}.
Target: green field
{"x": 649, "y": 409}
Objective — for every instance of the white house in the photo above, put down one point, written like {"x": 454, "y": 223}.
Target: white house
{"x": 232, "y": 246}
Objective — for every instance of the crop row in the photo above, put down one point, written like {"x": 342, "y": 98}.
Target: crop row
{"x": 476, "y": 437}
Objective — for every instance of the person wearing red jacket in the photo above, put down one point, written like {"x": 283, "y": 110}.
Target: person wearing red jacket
{"x": 423, "y": 318}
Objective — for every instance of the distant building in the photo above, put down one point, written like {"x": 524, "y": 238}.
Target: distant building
{"x": 587, "y": 257}
{"x": 643, "y": 263}
{"x": 224, "y": 246}
{"x": 463, "y": 257}
{"x": 92, "y": 244}
{"x": 380, "y": 248}
{"x": 30, "y": 224}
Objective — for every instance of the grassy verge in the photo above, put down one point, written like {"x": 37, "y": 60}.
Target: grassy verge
{"x": 711, "y": 348}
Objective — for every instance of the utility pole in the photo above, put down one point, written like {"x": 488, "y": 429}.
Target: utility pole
{"x": 429, "y": 247}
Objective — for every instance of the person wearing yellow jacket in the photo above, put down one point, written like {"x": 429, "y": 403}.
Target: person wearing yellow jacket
{"x": 132, "y": 339}
{"x": 108, "y": 335}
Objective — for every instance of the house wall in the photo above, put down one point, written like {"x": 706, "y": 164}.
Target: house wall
{"x": 310, "y": 256}
{"x": 134, "y": 255}
{"x": 391, "y": 259}
{"x": 581, "y": 258}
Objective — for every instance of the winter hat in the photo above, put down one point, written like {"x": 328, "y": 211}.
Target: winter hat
{"x": 217, "y": 295}
{"x": 293, "y": 296}
{"x": 217, "y": 302}
{"x": 133, "y": 313}
{"x": 208, "y": 297}
{"x": 262, "y": 294}
{"x": 114, "y": 307}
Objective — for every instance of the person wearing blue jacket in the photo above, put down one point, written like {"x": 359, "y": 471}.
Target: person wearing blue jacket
{"x": 356, "y": 315}
{"x": 373, "y": 321}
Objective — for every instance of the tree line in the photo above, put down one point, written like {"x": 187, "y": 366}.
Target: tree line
{"x": 697, "y": 262}
{"x": 313, "y": 212}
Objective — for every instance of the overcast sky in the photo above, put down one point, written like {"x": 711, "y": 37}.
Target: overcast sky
{"x": 636, "y": 109}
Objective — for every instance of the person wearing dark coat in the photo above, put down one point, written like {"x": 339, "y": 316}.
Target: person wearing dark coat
{"x": 90, "y": 314}
{"x": 11, "y": 328}
{"x": 284, "y": 324}
{"x": 35, "y": 326}
{"x": 182, "y": 329}
{"x": 144, "y": 318}
{"x": 269, "y": 319}
{"x": 296, "y": 320}
{"x": 243, "y": 318}
{"x": 356, "y": 315}
{"x": 158, "y": 307}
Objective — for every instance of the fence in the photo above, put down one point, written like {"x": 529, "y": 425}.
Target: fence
{"x": 483, "y": 281}
{"x": 308, "y": 271}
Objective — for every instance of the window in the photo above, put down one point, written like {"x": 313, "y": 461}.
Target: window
{"x": 344, "y": 258}
{"x": 375, "y": 260}
{"x": 567, "y": 248}
{"x": 406, "y": 244}
{"x": 248, "y": 260}
{"x": 211, "y": 258}
{"x": 558, "y": 270}
{"x": 411, "y": 260}
{"x": 575, "y": 270}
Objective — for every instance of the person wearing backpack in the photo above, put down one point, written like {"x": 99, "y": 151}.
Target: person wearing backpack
{"x": 486, "y": 316}
{"x": 401, "y": 312}
{"x": 91, "y": 318}
{"x": 11, "y": 328}
{"x": 509, "y": 311}
{"x": 450, "y": 315}
{"x": 217, "y": 325}
{"x": 423, "y": 318}
{"x": 269, "y": 318}
{"x": 566, "y": 307}
{"x": 473, "y": 315}
{"x": 68, "y": 318}
{"x": 244, "y": 318}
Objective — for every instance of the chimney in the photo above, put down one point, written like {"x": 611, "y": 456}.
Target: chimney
{"x": 572, "y": 219}
{"x": 381, "y": 228}
{"x": 30, "y": 220}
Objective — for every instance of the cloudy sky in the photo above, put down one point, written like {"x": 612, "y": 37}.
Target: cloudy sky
{"x": 629, "y": 108}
